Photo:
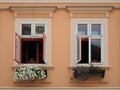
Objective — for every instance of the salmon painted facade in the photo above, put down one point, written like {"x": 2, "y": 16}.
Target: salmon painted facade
{"x": 60, "y": 45}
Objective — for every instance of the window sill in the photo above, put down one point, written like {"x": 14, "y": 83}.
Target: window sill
{"x": 86, "y": 65}
{"x": 29, "y": 65}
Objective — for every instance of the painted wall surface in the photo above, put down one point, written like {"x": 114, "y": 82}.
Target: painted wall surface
{"x": 60, "y": 75}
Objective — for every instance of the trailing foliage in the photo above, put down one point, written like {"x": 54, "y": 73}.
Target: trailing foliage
{"x": 84, "y": 73}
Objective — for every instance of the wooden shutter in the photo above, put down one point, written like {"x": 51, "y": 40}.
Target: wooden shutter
{"x": 17, "y": 48}
{"x": 43, "y": 55}
{"x": 80, "y": 45}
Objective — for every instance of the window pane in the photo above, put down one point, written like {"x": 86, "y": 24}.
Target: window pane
{"x": 26, "y": 29}
{"x": 82, "y": 28}
{"x": 95, "y": 50}
{"x": 84, "y": 50}
{"x": 96, "y": 29}
{"x": 39, "y": 28}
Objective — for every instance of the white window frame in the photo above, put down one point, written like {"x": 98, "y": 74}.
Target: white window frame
{"x": 21, "y": 29}
{"x": 33, "y": 35}
{"x": 104, "y": 39}
{"x": 48, "y": 41}
{"x": 42, "y": 24}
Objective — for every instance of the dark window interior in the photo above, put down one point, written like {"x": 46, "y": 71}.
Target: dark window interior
{"x": 26, "y": 29}
{"x": 32, "y": 52}
{"x": 84, "y": 51}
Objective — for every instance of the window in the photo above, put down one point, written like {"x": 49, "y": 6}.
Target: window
{"x": 32, "y": 42}
{"x": 26, "y": 29}
{"x": 89, "y": 42}
{"x": 32, "y": 29}
{"x": 39, "y": 28}
{"x": 90, "y": 37}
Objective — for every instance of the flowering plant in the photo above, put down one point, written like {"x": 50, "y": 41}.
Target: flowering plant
{"x": 84, "y": 73}
{"x": 29, "y": 73}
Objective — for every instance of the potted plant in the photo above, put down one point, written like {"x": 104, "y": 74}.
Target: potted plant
{"x": 84, "y": 73}
{"x": 29, "y": 73}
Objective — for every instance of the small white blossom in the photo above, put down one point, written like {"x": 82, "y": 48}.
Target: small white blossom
{"x": 28, "y": 73}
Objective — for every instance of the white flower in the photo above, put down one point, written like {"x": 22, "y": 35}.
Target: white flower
{"x": 26, "y": 73}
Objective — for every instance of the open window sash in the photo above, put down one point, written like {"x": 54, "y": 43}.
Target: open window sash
{"x": 79, "y": 50}
{"x": 17, "y": 48}
{"x": 44, "y": 49}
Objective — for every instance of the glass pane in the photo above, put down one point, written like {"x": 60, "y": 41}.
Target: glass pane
{"x": 39, "y": 28}
{"x": 95, "y": 50}
{"x": 26, "y": 29}
{"x": 96, "y": 29}
{"x": 84, "y": 51}
{"x": 82, "y": 28}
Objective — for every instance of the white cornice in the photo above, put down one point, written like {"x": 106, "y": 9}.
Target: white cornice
{"x": 33, "y": 9}
{"x": 89, "y": 9}
{"x": 59, "y": 1}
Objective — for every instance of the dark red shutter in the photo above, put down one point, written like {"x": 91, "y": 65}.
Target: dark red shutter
{"x": 43, "y": 46}
{"x": 17, "y": 48}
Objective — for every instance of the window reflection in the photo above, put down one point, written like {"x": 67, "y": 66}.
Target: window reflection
{"x": 40, "y": 28}
{"x": 95, "y": 50}
{"x": 96, "y": 29}
{"x": 82, "y": 28}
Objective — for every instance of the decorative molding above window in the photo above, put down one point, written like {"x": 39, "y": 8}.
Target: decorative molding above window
{"x": 59, "y": 1}
{"x": 89, "y": 11}
{"x": 33, "y": 11}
